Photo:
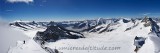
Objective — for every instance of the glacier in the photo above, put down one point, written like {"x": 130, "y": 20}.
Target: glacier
{"x": 119, "y": 33}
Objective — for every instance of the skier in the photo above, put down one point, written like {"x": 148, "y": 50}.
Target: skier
{"x": 24, "y": 42}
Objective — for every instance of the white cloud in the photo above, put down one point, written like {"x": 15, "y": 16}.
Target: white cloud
{"x": 146, "y": 13}
{"x": 9, "y": 10}
{"x": 15, "y": 1}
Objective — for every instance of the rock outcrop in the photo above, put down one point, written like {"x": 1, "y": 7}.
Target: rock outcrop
{"x": 54, "y": 33}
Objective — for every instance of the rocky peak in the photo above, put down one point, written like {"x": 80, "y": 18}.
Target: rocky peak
{"x": 154, "y": 26}
{"x": 146, "y": 21}
{"x": 126, "y": 21}
{"x": 100, "y": 21}
{"x": 51, "y": 23}
{"x": 56, "y": 32}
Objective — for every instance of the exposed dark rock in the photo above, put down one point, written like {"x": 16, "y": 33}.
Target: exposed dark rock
{"x": 99, "y": 28}
{"x": 106, "y": 29}
{"x": 54, "y": 33}
{"x": 17, "y": 24}
{"x": 145, "y": 19}
{"x": 125, "y": 21}
{"x": 49, "y": 50}
{"x": 139, "y": 42}
{"x": 132, "y": 27}
{"x": 154, "y": 27}
{"x": 101, "y": 21}
{"x": 133, "y": 20}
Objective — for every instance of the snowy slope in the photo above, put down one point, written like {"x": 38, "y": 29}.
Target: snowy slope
{"x": 9, "y": 37}
{"x": 121, "y": 38}
{"x": 30, "y": 47}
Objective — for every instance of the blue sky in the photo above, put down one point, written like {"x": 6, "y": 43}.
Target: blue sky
{"x": 77, "y": 9}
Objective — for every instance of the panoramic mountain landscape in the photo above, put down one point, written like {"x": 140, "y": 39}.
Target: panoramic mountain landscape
{"x": 79, "y": 26}
{"x": 123, "y": 35}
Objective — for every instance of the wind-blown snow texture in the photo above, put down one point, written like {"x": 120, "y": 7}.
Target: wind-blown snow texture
{"x": 119, "y": 33}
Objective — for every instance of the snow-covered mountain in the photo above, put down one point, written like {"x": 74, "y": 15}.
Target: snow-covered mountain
{"x": 54, "y": 33}
{"x": 70, "y": 25}
{"x": 133, "y": 35}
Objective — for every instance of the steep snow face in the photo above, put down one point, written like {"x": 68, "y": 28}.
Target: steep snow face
{"x": 156, "y": 42}
{"x": 154, "y": 37}
{"x": 148, "y": 47}
{"x": 9, "y": 37}
{"x": 153, "y": 40}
